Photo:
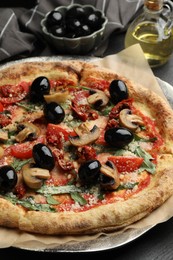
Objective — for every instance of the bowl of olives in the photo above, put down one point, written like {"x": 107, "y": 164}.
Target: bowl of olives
{"x": 74, "y": 29}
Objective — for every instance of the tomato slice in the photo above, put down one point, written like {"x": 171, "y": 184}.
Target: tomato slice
{"x": 1, "y": 107}
{"x": 57, "y": 134}
{"x": 126, "y": 163}
{"x": 100, "y": 84}
{"x": 24, "y": 150}
{"x": 13, "y": 93}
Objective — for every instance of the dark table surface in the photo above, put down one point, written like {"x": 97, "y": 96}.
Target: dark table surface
{"x": 157, "y": 243}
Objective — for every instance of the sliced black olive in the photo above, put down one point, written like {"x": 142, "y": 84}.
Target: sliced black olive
{"x": 89, "y": 172}
{"x": 118, "y": 91}
{"x": 39, "y": 87}
{"x": 118, "y": 136}
{"x": 43, "y": 156}
{"x": 54, "y": 113}
{"x": 8, "y": 178}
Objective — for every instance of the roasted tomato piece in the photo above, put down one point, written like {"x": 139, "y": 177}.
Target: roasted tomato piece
{"x": 1, "y": 107}
{"x": 13, "y": 93}
{"x": 86, "y": 153}
{"x": 100, "y": 84}
{"x": 127, "y": 103}
{"x": 81, "y": 108}
{"x": 126, "y": 163}
{"x": 57, "y": 134}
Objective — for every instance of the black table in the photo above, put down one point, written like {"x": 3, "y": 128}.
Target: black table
{"x": 157, "y": 243}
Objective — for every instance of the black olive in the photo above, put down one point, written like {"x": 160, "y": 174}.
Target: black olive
{"x": 85, "y": 30}
{"x": 74, "y": 25}
{"x": 54, "y": 18}
{"x": 43, "y": 156}
{"x": 89, "y": 171}
{"x": 75, "y": 12}
{"x": 39, "y": 87}
{"x": 94, "y": 21}
{"x": 8, "y": 178}
{"x": 58, "y": 30}
{"x": 53, "y": 113}
{"x": 118, "y": 136}
{"x": 118, "y": 91}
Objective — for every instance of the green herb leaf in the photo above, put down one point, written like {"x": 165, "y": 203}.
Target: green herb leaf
{"x": 126, "y": 186}
{"x": 28, "y": 106}
{"x": 51, "y": 200}
{"x": 78, "y": 198}
{"x": 18, "y": 164}
{"x": 147, "y": 163}
{"x": 138, "y": 138}
{"x": 29, "y": 204}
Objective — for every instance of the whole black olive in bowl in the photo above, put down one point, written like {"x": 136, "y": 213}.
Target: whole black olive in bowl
{"x": 74, "y": 29}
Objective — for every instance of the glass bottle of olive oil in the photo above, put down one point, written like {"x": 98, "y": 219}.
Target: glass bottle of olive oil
{"x": 153, "y": 30}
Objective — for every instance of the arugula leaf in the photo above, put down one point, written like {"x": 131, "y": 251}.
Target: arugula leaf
{"x": 18, "y": 164}
{"x": 141, "y": 139}
{"x": 147, "y": 163}
{"x": 78, "y": 198}
{"x": 29, "y": 203}
{"x": 28, "y": 106}
{"x": 126, "y": 186}
{"x": 51, "y": 200}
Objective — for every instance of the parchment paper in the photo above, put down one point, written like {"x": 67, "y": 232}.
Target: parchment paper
{"x": 132, "y": 64}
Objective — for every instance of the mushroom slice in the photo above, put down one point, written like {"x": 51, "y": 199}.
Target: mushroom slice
{"x": 129, "y": 120}
{"x": 29, "y": 130}
{"x": 84, "y": 135}
{"x": 1, "y": 152}
{"x": 3, "y": 135}
{"x": 99, "y": 99}
{"x": 109, "y": 178}
{"x": 34, "y": 177}
{"x": 58, "y": 97}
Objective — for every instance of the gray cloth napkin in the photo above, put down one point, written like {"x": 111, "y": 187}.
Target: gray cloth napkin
{"x": 21, "y": 35}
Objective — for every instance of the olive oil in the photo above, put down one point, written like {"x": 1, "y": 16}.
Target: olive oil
{"x": 153, "y": 31}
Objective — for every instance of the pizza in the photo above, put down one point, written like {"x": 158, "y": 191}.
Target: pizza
{"x": 82, "y": 149}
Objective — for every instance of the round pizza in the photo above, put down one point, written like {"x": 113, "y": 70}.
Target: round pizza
{"x": 82, "y": 149}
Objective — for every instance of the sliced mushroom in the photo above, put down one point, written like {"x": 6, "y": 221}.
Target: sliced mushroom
{"x": 99, "y": 99}
{"x": 3, "y": 135}
{"x": 34, "y": 177}
{"x": 84, "y": 135}
{"x": 129, "y": 120}
{"x": 58, "y": 97}
{"x": 1, "y": 152}
{"x": 109, "y": 178}
{"x": 29, "y": 130}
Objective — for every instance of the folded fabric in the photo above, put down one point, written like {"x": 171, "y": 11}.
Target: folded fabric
{"x": 22, "y": 36}
{"x": 13, "y": 42}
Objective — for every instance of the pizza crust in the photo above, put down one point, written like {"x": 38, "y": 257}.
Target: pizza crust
{"x": 110, "y": 217}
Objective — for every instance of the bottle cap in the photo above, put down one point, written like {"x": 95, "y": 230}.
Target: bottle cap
{"x": 153, "y": 5}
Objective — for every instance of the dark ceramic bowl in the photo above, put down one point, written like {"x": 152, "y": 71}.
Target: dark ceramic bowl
{"x": 75, "y": 44}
